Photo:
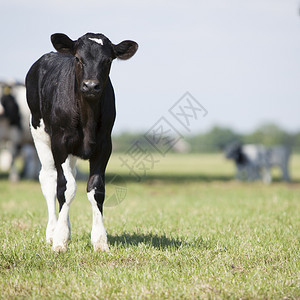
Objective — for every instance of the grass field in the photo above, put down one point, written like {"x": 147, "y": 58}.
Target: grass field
{"x": 186, "y": 231}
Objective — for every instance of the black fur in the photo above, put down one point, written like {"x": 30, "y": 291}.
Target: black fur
{"x": 235, "y": 152}
{"x": 11, "y": 110}
{"x": 240, "y": 158}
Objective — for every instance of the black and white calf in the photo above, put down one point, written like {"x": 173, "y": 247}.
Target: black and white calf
{"x": 72, "y": 106}
{"x": 255, "y": 161}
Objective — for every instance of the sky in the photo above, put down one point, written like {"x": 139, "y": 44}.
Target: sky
{"x": 237, "y": 59}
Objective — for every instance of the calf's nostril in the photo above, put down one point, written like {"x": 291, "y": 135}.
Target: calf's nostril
{"x": 85, "y": 87}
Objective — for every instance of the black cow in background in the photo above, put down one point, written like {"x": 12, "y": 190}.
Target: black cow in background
{"x": 72, "y": 103}
{"x": 10, "y": 108}
{"x": 15, "y": 137}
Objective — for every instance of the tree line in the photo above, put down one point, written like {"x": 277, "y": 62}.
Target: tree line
{"x": 215, "y": 139}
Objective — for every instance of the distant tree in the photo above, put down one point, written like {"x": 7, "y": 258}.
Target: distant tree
{"x": 269, "y": 134}
{"x": 214, "y": 140}
{"x": 296, "y": 142}
{"x": 219, "y": 137}
{"x": 122, "y": 142}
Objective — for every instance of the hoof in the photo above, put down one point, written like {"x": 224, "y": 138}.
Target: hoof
{"x": 60, "y": 249}
{"x": 49, "y": 241}
{"x": 50, "y": 232}
{"x": 101, "y": 247}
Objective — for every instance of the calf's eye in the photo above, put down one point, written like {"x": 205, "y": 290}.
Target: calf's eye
{"x": 78, "y": 60}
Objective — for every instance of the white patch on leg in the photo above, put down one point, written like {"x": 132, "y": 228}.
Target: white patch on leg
{"x": 62, "y": 231}
{"x": 98, "y": 41}
{"x": 68, "y": 168}
{"x": 48, "y": 175}
{"x": 98, "y": 234}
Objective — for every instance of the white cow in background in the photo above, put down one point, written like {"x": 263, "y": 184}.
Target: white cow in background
{"x": 17, "y": 141}
{"x": 255, "y": 162}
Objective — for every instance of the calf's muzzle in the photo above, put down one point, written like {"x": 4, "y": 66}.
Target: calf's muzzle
{"x": 91, "y": 87}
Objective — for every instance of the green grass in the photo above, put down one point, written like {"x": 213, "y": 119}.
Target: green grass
{"x": 186, "y": 231}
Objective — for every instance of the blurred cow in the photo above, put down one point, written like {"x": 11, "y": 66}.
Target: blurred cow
{"x": 15, "y": 136}
{"x": 254, "y": 162}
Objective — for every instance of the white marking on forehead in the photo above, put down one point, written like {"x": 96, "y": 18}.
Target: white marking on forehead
{"x": 99, "y": 41}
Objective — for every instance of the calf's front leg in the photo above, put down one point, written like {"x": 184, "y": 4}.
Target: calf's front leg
{"x": 66, "y": 189}
{"x": 96, "y": 194}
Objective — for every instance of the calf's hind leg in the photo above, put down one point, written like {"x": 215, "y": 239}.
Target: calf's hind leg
{"x": 48, "y": 175}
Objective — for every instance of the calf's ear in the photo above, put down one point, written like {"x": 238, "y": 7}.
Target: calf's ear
{"x": 125, "y": 49}
{"x": 62, "y": 43}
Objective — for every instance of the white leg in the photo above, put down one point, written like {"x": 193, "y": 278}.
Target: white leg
{"x": 238, "y": 174}
{"x": 285, "y": 172}
{"x": 63, "y": 229}
{"x": 48, "y": 175}
{"x": 266, "y": 175}
{"x": 48, "y": 181}
{"x": 15, "y": 136}
{"x": 98, "y": 234}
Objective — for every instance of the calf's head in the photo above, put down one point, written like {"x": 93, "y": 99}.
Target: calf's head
{"x": 233, "y": 150}
{"x": 93, "y": 55}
